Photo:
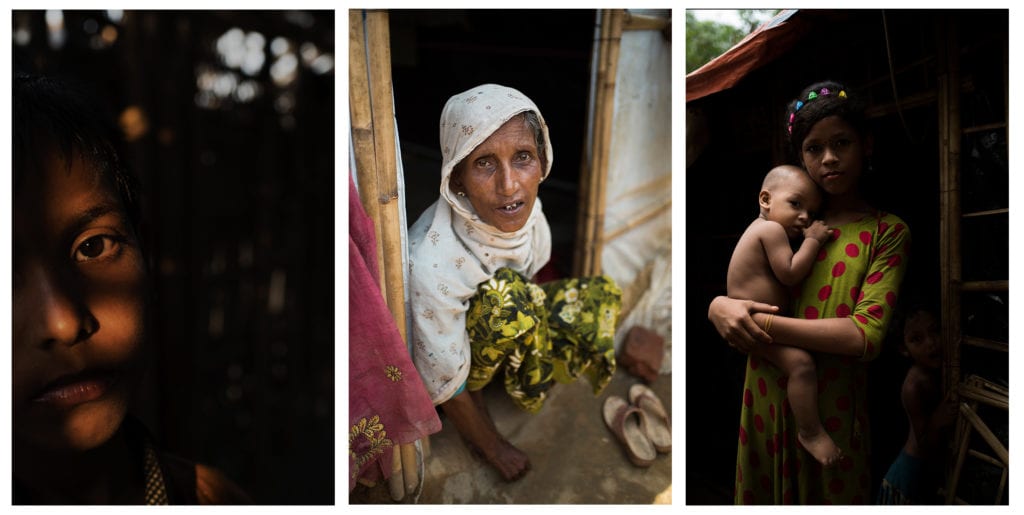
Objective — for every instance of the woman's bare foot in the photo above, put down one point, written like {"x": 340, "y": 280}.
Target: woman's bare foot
{"x": 476, "y": 427}
{"x": 821, "y": 446}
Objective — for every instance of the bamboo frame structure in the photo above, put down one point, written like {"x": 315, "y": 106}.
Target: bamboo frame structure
{"x": 361, "y": 115}
{"x": 594, "y": 176}
{"x": 973, "y": 390}
{"x": 949, "y": 190}
{"x": 633, "y": 21}
{"x": 374, "y": 142}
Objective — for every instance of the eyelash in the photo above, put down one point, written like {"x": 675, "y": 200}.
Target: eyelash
{"x": 838, "y": 145}
{"x": 111, "y": 248}
{"x": 519, "y": 157}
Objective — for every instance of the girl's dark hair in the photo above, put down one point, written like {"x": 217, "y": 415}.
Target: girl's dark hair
{"x": 812, "y": 105}
{"x": 54, "y": 116}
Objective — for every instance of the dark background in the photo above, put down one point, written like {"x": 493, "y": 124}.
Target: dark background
{"x": 237, "y": 180}
{"x": 744, "y": 125}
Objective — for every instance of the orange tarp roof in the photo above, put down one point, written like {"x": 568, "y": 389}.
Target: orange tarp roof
{"x": 772, "y": 39}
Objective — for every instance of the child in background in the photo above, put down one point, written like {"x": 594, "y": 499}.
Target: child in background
{"x": 80, "y": 291}
{"x": 764, "y": 266}
{"x": 912, "y": 478}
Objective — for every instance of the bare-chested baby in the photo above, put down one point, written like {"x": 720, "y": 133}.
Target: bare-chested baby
{"x": 763, "y": 268}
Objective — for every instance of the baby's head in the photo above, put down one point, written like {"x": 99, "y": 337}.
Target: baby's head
{"x": 79, "y": 274}
{"x": 922, "y": 341}
{"x": 788, "y": 196}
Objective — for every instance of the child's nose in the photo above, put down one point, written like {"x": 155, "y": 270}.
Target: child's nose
{"x": 55, "y": 315}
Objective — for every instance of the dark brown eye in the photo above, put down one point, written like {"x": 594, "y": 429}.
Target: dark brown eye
{"x": 94, "y": 247}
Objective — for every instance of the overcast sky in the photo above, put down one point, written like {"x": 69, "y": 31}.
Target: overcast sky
{"x": 726, "y": 16}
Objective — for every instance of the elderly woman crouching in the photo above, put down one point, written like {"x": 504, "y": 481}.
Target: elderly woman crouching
{"x": 472, "y": 256}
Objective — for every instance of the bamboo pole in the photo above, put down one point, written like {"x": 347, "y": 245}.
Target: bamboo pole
{"x": 986, "y": 344}
{"x": 633, "y": 21}
{"x": 949, "y": 149}
{"x": 954, "y": 478}
{"x": 985, "y": 383}
{"x": 986, "y": 458}
{"x": 1002, "y": 485}
{"x": 985, "y": 433}
{"x": 985, "y": 286}
{"x": 638, "y": 221}
{"x": 361, "y": 115}
{"x": 584, "y": 222}
{"x": 383, "y": 108}
{"x": 396, "y": 484}
{"x": 594, "y": 180}
{"x": 378, "y": 37}
{"x": 949, "y": 184}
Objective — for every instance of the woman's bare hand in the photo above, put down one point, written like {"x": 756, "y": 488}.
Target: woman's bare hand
{"x": 733, "y": 321}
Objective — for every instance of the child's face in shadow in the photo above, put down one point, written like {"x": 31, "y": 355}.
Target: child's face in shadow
{"x": 78, "y": 308}
{"x": 922, "y": 341}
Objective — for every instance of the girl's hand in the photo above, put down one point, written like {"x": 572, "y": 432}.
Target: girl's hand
{"x": 733, "y": 321}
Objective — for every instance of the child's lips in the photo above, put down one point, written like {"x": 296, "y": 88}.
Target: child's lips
{"x": 74, "y": 389}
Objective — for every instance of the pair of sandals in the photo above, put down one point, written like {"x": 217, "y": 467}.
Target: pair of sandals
{"x": 641, "y": 424}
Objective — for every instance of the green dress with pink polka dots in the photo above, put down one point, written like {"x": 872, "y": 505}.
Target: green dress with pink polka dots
{"x": 857, "y": 276}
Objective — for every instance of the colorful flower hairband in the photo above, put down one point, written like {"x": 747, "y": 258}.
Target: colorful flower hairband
{"x": 823, "y": 92}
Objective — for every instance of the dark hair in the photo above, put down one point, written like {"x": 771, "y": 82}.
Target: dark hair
{"x": 533, "y": 122}
{"x": 799, "y": 120}
{"x": 907, "y": 309}
{"x": 54, "y": 116}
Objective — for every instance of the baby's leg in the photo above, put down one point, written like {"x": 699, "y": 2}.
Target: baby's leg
{"x": 802, "y": 390}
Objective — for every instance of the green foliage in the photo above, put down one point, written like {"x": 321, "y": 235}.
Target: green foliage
{"x": 706, "y": 40}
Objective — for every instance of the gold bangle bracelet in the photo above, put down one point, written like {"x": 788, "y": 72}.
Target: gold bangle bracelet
{"x": 768, "y": 323}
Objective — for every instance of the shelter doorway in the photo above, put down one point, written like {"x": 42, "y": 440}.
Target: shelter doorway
{"x": 545, "y": 54}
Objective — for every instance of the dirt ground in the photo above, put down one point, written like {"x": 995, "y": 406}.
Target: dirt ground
{"x": 575, "y": 457}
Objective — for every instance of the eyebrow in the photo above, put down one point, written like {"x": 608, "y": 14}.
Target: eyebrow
{"x": 90, "y": 215}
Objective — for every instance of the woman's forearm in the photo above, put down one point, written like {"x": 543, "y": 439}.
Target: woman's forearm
{"x": 829, "y": 335}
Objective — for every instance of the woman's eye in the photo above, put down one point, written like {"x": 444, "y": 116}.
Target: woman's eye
{"x": 523, "y": 156}
{"x": 483, "y": 163}
{"x": 842, "y": 143}
{"x": 95, "y": 247}
{"x": 813, "y": 149}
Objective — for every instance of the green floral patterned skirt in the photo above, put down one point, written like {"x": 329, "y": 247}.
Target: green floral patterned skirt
{"x": 557, "y": 331}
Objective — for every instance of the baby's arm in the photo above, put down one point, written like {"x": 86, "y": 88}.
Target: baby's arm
{"x": 790, "y": 268}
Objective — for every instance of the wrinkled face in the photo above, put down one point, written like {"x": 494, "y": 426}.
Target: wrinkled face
{"x": 78, "y": 309}
{"x": 922, "y": 341}
{"x": 501, "y": 176}
{"x": 833, "y": 155}
{"x": 793, "y": 203}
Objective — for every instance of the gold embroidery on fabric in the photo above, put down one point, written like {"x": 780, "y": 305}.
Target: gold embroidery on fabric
{"x": 373, "y": 432}
{"x": 393, "y": 373}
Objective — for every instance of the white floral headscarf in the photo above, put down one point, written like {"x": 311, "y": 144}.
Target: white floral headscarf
{"x": 452, "y": 251}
